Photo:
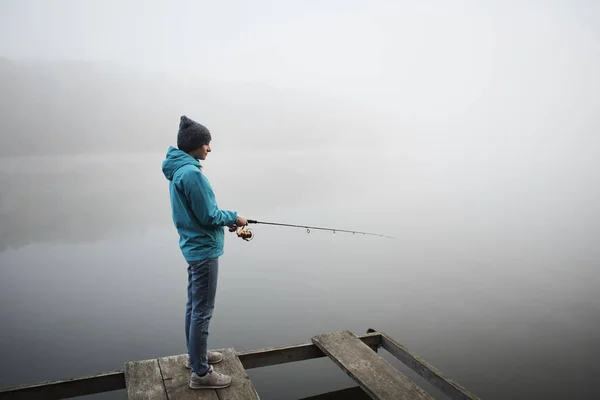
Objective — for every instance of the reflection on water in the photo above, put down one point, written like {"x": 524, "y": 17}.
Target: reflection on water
{"x": 478, "y": 284}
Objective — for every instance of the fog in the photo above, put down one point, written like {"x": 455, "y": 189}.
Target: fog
{"x": 468, "y": 131}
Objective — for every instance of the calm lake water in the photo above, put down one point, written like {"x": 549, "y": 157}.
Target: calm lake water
{"x": 493, "y": 276}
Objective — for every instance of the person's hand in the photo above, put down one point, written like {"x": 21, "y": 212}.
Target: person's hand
{"x": 241, "y": 221}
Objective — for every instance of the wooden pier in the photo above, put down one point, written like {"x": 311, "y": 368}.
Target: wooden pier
{"x": 167, "y": 378}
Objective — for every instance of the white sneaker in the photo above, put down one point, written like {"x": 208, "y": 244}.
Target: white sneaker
{"x": 211, "y": 380}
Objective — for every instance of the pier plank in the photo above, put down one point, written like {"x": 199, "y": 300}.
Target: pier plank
{"x": 176, "y": 380}
{"x": 378, "y": 378}
{"x": 241, "y": 387}
{"x": 144, "y": 381}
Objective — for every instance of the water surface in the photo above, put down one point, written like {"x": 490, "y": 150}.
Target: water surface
{"x": 492, "y": 277}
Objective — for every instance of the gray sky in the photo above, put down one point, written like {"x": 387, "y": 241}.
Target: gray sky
{"x": 400, "y": 52}
{"x": 506, "y": 70}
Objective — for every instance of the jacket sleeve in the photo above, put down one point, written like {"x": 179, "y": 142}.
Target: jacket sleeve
{"x": 202, "y": 201}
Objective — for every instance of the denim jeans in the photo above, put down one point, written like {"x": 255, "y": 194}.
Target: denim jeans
{"x": 202, "y": 288}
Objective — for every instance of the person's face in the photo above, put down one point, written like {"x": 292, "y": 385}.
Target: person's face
{"x": 202, "y": 152}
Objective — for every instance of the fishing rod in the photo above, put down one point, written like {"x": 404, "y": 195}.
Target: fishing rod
{"x": 247, "y": 235}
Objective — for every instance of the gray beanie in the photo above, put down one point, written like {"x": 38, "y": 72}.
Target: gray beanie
{"x": 192, "y": 135}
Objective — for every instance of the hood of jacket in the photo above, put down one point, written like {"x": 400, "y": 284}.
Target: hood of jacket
{"x": 176, "y": 159}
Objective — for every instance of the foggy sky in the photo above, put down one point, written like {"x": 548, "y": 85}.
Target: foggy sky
{"x": 472, "y": 77}
{"x": 482, "y": 102}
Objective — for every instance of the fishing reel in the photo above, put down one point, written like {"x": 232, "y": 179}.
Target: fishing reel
{"x": 245, "y": 233}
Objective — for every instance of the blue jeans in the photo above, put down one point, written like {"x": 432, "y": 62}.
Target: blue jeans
{"x": 202, "y": 288}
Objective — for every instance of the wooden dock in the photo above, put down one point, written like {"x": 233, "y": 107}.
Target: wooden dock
{"x": 166, "y": 378}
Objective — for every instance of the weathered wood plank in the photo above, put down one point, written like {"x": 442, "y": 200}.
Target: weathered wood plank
{"x": 176, "y": 380}
{"x": 62, "y": 389}
{"x": 241, "y": 387}
{"x": 378, "y": 378}
{"x": 427, "y": 371}
{"x": 292, "y": 353}
{"x": 144, "y": 381}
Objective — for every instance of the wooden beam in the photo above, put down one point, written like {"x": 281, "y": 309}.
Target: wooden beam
{"x": 64, "y": 389}
{"x": 427, "y": 371}
{"x": 285, "y": 354}
{"x": 378, "y": 378}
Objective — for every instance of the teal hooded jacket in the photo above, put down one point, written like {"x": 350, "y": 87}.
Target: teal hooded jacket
{"x": 195, "y": 213}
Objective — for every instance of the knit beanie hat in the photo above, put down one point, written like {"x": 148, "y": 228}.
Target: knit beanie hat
{"x": 191, "y": 135}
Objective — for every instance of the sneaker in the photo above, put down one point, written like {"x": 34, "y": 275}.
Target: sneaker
{"x": 214, "y": 357}
{"x": 211, "y": 380}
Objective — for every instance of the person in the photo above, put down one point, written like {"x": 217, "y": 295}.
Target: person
{"x": 200, "y": 225}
